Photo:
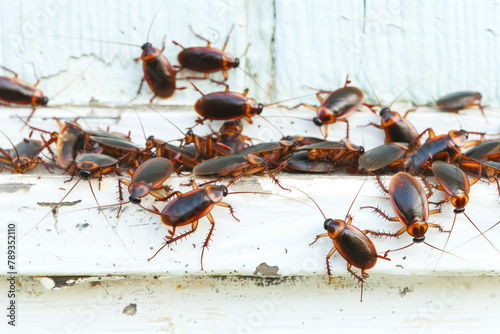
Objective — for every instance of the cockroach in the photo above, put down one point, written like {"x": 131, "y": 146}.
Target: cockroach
{"x": 388, "y": 156}
{"x": 337, "y": 106}
{"x": 410, "y": 204}
{"x": 188, "y": 208}
{"x": 226, "y": 106}
{"x": 207, "y": 59}
{"x": 456, "y": 185}
{"x": 147, "y": 179}
{"x": 206, "y": 147}
{"x": 14, "y": 90}
{"x": 26, "y": 156}
{"x": 436, "y": 147}
{"x": 72, "y": 139}
{"x": 302, "y": 141}
{"x": 352, "y": 244}
{"x": 116, "y": 146}
{"x": 460, "y": 100}
{"x": 230, "y": 136}
{"x": 299, "y": 162}
{"x": 339, "y": 153}
{"x": 488, "y": 169}
{"x": 234, "y": 166}
{"x": 487, "y": 150}
{"x": 397, "y": 129}
{"x": 276, "y": 154}
{"x": 158, "y": 72}
{"x": 186, "y": 157}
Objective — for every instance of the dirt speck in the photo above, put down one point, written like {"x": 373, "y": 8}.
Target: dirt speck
{"x": 130, "y": 309}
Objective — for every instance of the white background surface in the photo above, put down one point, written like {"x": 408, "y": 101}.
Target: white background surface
{"x": 293, "y": 44}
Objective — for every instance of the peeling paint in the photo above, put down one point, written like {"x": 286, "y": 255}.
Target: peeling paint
{"x": 15, "y": 186}
{"x": 264, "y": 270}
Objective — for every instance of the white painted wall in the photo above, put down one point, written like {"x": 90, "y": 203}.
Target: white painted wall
{"x": 451, "y": 45}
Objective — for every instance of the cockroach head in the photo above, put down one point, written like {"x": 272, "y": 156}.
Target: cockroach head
{"x": 224, "y": 190}
{"x": 85, "y": 174}
{"x": 327, "y": 223}
{"x": 134, "y": 200}
{"x": 384, "y": 111}
{"x": 419, "y": 240}
{"x": 146, "y": 45}
{"x": 334, "y": 227}
{"x": 236, "y": 63}
{"x": 261, "y": 107}
{"x": 317, "y": 121}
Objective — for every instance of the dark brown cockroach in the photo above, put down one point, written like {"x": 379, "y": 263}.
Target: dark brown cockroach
{"x": 460, "y": 100}
{"x": 229, "y": 135}
{"x": 234, "y": 166}
{"x": 436, "y": 147}
{"x": 276, "y": 154}
{"x": 302, "y": 141}
{"x": 147, "y": 179}
{"x": 158, "y": 72}
{"x": 381, "y": 158}
{"x": 456, "y": 185}
{"x": 488, "y": 169}
{"x": 484, "y": 151}
{"x": 186, "y": 157}
{"x": 14, "y": 90}
{"x": 337, "y": 106}
{"x": 226, "y": 106}
{"x": 300, "y": 163}
{"x": 410, "y": 204}
{"x": 188, "y": 208}
{"x": 397, "y": 129}
{"x": 69, "y": 141}
{"x": 352, "y": 244}
{"x": 117, "y": 146}
{"x": 26, "y": 156}
{"x": 205, "y": 147}
{"x": 342, "y": 153}
{"x": 72, "y": 140}
{"x": 207, "y": 59}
